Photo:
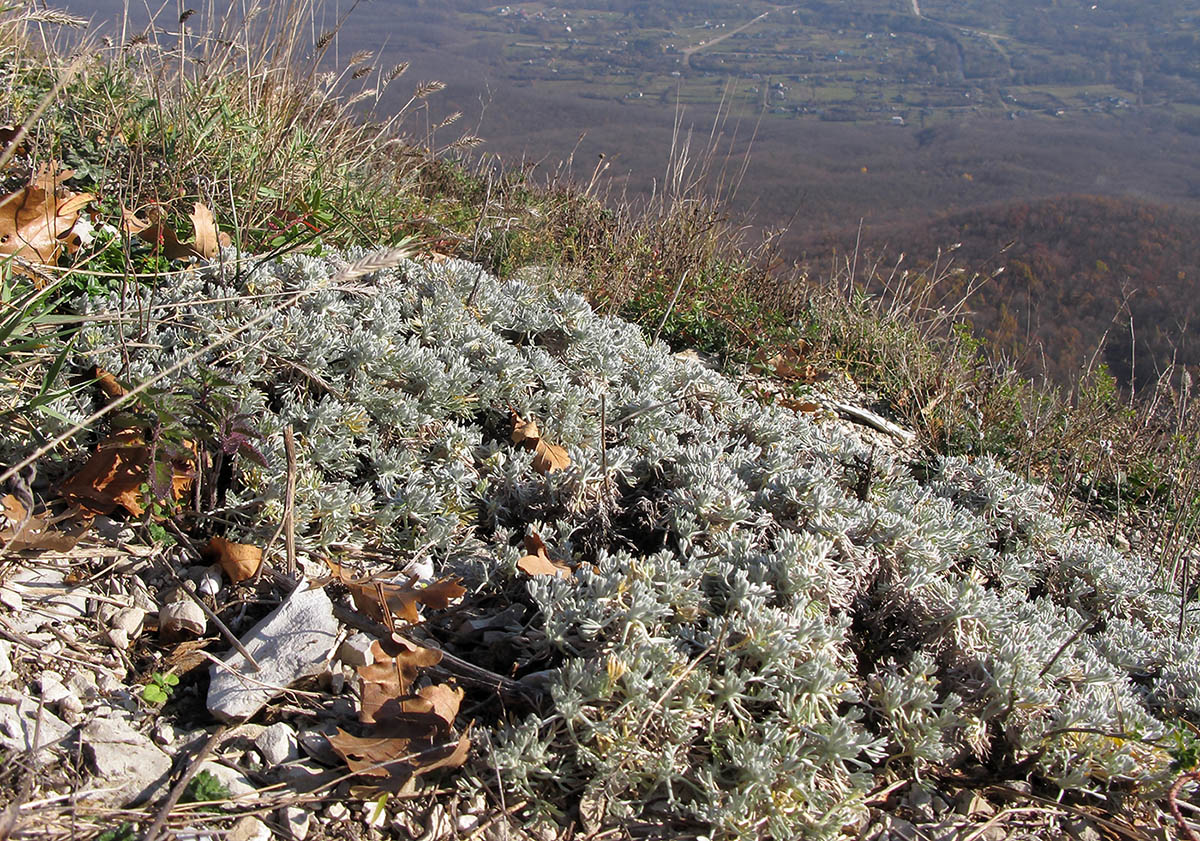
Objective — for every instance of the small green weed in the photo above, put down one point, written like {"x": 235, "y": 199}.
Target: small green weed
{"x": 204, "y": 788}
{"x": 160, "y": 688}
{"x": 125, "y": 832}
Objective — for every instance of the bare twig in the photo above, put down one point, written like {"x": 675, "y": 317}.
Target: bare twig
{"x": 1172, "y": 800}
{"x": 229, "y": 635}
{"x": 608, "y": 495}
{"x": 289, "y": 503}
{"x": 670, "y": 306}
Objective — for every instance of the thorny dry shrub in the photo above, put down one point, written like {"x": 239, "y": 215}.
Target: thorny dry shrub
{"x": 750, "y": 640}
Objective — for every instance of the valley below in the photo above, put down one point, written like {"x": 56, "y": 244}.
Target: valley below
{"x": 831, "y": 127}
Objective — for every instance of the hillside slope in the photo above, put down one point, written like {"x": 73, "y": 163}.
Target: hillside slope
{"x": 770, "y": 616}
{"x": 1078, "y": 272}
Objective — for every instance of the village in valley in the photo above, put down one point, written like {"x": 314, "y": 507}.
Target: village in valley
{"x": 885, "y": 61}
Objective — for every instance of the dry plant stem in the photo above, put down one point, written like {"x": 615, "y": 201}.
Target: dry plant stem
{"x": 289, "y": 503}
{"x": 608, "y": 495}
{"x": 164, "y": 811}
{"x": 1172, "y": 800}
{"x": 670, "y": 306}
{"x": 1114, "y": 827}
{"x": 503, "y": 812}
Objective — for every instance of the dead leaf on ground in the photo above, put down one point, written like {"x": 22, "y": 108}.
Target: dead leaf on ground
{"x": 795, "y": 405}
{"x": 441, "y": 700}
{"x": 207, "y": 243}
{"x": 37, "y": 221}
{"x": 409, "y": 733}
{"x": 155, "y": 230}
{"x": 536, "y": 560}
{"x": 525, "y": 430}
{"x": 547, "y": 457}
{"x": 36, "y": 532}
{"x": 393, "y": 762}
{"x": 119, "y": 469}
{"x": 789, "y": 364}
{"x": 108, "y": 383}
{"x": 14, "y": 511}
{"x": 392, "y": 673}
{"x": 7, "y": 135}
{"x": 239, "y": 561}
{"x": 370, "y": 594}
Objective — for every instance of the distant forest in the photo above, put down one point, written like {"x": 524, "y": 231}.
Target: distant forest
{"x": 1079, "y": 272}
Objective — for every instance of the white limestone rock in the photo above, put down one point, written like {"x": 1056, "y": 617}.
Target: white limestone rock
{"x": 291, "y": 643}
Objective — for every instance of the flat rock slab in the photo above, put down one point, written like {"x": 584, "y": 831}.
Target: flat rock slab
{"x": 19, "y": 723}
{"x": 124, "y": 759}
{"x": 292, "y": 643}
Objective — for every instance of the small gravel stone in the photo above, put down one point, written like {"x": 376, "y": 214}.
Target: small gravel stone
{"x": 118, "y": 639}
{"x": 164, "y": 733}
{"x": 105, "y": 613}
{"x": 70, "y": 708}
{"x": 51, "y": 688}
{"x": 296, "y": 821}
{"x": 467, "y": 822}
{"x": 130, "y": 620}
{"x": 109, "y": 529}
{"x": 141, "y": 595}
{"x": 337, "y": 812}
{"x": 209, "y": 583}
{"x": 180, "y": 619}
{"x": 1082, "y": 830}
{"x": 356, "y": 651}
{"x": 124, "y": 757}
{"x": 11, "y": 598}
{"x": 278, "y": 744}
{"x": 902, "y": 830}
{"x": 315, "y": 744}
{"x": 107, "y": 683}
{"x": 233, "y": 780}
{"x": 374, "y": 814}
{"x": 19, "y": 721}
{"x": 249, "y": 828}
{"x": 83, "y": 684}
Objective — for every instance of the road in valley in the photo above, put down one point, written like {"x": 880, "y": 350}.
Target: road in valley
{"x": 687, "y": 51}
